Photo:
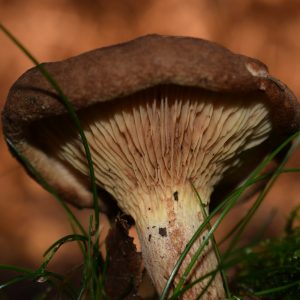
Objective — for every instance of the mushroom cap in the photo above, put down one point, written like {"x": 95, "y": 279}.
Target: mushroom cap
{"x": 111, "y": 73}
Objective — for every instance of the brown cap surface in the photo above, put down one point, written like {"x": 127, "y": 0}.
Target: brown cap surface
{"x": 116, "y": 71}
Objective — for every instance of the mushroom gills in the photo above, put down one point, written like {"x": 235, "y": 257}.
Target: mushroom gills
{"x": 151, "y": 145}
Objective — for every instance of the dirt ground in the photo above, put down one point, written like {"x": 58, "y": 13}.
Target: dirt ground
{"x": 30, "y": 219}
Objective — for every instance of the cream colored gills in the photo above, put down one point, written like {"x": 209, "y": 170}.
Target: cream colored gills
{"x": 156, "y": 142}
{"x": 149, "y": 147}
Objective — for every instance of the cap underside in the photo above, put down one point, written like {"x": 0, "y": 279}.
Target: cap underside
{"x": 155, "y": 140}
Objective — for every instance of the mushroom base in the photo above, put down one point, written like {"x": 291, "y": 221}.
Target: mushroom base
{"x": 164, "y": 233}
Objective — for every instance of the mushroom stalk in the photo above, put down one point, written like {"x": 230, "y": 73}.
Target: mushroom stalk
{"x": 164, "y": 233}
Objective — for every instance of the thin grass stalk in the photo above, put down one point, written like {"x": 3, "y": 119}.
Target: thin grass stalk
{"x": 207, "y": 286}
{"x": 243, "y": 223}
{"x": 190, "y": 285}
{"x": 255, "y": 180}
{"x": 215, "y": 247}
{"x": 65, "y": 239}
{"x": 15, "y": 269}
{"x": 277, "y": 289}
{"x": 72, "y": 218}
{"x": 80, "y": 245}
{"x": 90, "y": 261}
{"x": 71, "y": 111}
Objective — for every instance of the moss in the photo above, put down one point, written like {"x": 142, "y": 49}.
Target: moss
{"x": 271, "y": 269}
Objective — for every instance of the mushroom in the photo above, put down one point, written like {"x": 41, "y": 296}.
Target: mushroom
{"x": 159, "y": 112}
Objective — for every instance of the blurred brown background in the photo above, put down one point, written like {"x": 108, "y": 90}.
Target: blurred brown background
{"x": 30, "y": 220}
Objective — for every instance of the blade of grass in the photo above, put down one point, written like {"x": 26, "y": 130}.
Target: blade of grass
{"x": 65, "y": 239}
{"x": 215, "y": 247}
{"x": 226, "y": 265}
{"x": 93, "y": 255}
{"x": 207, "y": 286}
{"x": 243, "y": 223}
{"x": 90, "y": 260}
{"x": 103, "y": 277}
{"x": 69, "y": 107}
{"x": 33, "y": 275}
{"x": 15, "y": 280}
{"x": 86, "y": 268}
{"x": 291, "y": 220}
{"x": 16, "y": 269}
{"x": 190, "y": 285}
{"x": 47, "y": 187}
{"x": 80, "y": 245}
{"x": 277, "y": 289}
{"x": 257, "y": 179}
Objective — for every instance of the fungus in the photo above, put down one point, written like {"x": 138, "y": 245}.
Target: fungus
{"x": 159, "y": 112}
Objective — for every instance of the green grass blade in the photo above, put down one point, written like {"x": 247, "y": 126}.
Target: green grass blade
{"x": 16, "y": 269}
{"x": 215, "y": 248}
{"x": 251, "y": 182}
{"x": 243, "y": 223}
{"x": 277, "y": 289}
{"x": 294, "y": 216}
{"x": 65, "y": 239}
{"x": 190, "y": 285}
{"x": 69, "y": 107}
{"x": 15, "y": 280}
{"x": 47, "y": 187}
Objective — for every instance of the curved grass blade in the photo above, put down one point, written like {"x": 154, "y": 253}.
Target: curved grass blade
{"x": 35, "y": 276}
{"x": 16, "y": 269}
{"x": 295, "y": 215}
{"x": 69, "y": 107}
{"x": 190, "y": 285}
{"x": 215, "y": 248}
{"x": 255, "y": 180}
{"x": 65, "y": 239}
{"x": 47, "y": 187}
{"x": 277, "y": 289}
{"x": 243, "y": 223}
{"x": 16, "y": 280}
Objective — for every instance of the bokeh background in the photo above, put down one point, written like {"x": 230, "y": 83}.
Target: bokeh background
{"x": 30, "y": 219}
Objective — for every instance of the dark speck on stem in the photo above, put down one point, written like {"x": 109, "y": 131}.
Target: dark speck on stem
{"x": 175, "y": 195}
{"x": 162, "y": 231}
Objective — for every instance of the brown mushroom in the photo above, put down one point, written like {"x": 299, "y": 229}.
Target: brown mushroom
{"x": 159, "y": 112}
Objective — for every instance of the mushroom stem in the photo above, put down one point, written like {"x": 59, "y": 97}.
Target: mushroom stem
{"x": 164, "y": 234}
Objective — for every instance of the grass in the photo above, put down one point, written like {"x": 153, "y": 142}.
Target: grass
{"x": 280, "y": 257}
